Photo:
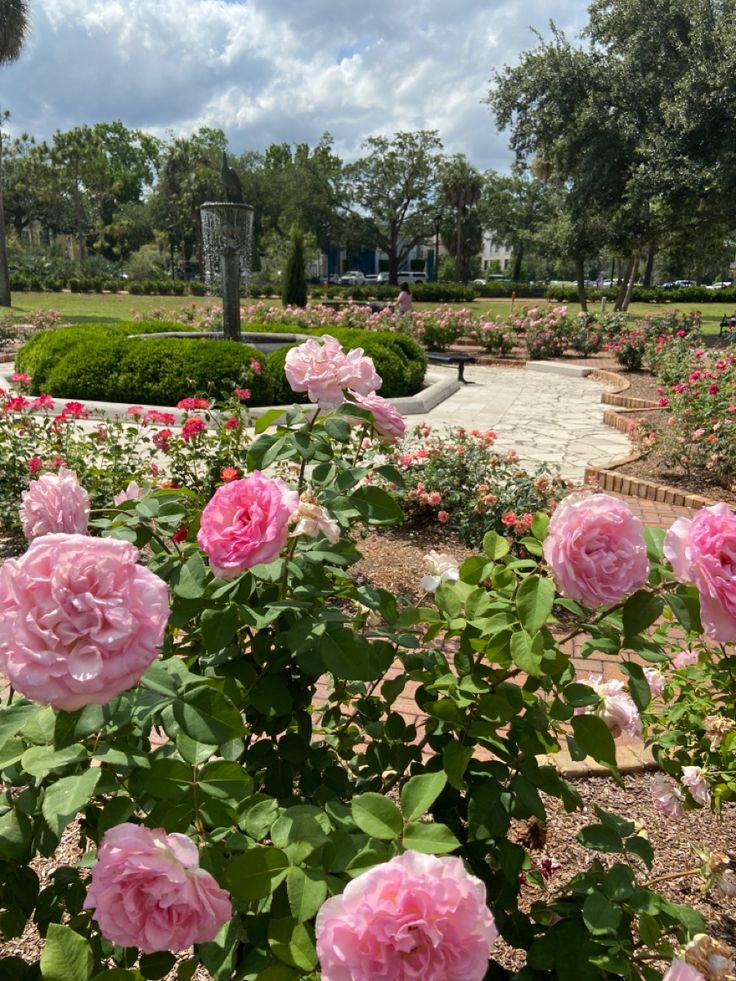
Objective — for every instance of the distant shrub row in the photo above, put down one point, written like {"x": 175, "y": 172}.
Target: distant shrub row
{"x": 102, "y": 362}
{"x": 568, "y": 293}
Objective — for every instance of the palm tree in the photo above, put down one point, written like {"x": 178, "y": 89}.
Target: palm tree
{"x": 14, "y": 28}
{"x": 460, "y": 187}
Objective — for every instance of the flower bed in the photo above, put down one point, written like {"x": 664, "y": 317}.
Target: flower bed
{"x": 238, "y": 748}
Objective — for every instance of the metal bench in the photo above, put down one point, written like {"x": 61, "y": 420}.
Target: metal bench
{"x": 435, "y": 357}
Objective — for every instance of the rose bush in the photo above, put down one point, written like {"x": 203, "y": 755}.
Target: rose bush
{"x": 262, "y": 777}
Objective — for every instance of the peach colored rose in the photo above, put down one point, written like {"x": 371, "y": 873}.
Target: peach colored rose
{"x": 148, "y": 891}
{"x": 416, "y": 916}
{"x": 595, "y": 548}
{"x": 246, "y": 522}
{"x": 312, "y": 520}
{"x": 55, "y": 502}
{"x": 81, "y": 621}
{"x": 702, "y": 550}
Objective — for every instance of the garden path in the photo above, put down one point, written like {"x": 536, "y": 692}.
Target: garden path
{"x": 546, "y": 418}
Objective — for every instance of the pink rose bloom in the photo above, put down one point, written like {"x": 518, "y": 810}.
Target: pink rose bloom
{"x": 387, "y": 421}
{"x": 80, "y": 620}
{"x": 246, "y": 522}
{"x": 684, "y": 659}
{"x": 324, "y": 371}
{"x": 595, "y": 548}
{"x": 655, "y": 680}
{"x": 131, "y": 493}
{"x": 148, "y": 891}
{"x": 681, "y": 971}
{"x": 667, "y": 797}
{"x": 694, "y": 779}
{"x": 702, "y": 550}
{"x": 616, "y": 707}
{"x": 55, "y": 502}
{"x": 416, "y": 916}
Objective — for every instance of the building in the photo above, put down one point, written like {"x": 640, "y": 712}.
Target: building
{"x": 494, "y": 252}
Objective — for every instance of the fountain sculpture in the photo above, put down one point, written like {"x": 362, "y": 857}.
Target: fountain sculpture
{"x": 227, "y": 229}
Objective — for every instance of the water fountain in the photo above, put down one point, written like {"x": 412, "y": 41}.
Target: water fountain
{"x": 227, "y": 232}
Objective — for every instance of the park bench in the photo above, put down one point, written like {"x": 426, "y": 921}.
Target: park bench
{"x": 436, "y": 357}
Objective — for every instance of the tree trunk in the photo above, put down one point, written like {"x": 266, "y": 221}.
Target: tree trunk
{"x": 459, "y": 250}
{"x": 393, "y": 257}
{"x": 516, "y": 274}
{"x": 650, "y": 264}
{"x": 630, "y": 285}
{"x": 4, "y": 272}
{"x": 580, "y": 276}
{"x": 624, "y": 284}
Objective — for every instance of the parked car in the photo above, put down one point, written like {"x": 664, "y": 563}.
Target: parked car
{"x": 412, "y": 276}
{"x": 352, "y": 278}
{"x": 723, "y": 285}
{"x": 382, "y": 277}
{"x": 371, "y": 278}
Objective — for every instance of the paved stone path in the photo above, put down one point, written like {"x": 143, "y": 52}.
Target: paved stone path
{"x": 546, "y": 418}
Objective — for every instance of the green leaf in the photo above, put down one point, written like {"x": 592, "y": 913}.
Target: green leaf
{"x": 535, "y": 598}
{"x": 540, "y": 524}
{"x": 40, "y": 761}
{"x": 495, "y": 546}
{"x": 685, "y": 604}
{"x": 307, "y": 890}
{"x": 338, "y": 429}
{"x": 263, "y": 422}
{"x": 16, "y": 836}
{"x": 433, "y": 839}
{"x": 228, "y": 781}
{"x": 256, "y": 873}
{"x": 523, "y": 655}
{"x": 640, "y": 611}
{"x": 13, "y": 718}
{"x": 377, "y": 816}
{"x": 594, "y": 737}
{"x": 619, "y": 882}
{"x": 642, "y": 848}
{"x": 638, "y": 686}
{"x": 376, "y": 506}
{"x": 600, "y": 838}
{"x": 155, "y": 966}
{"x": 65, "y": 956}
{"x": 207, "y": 716}
{"x": 600, "y": 915}
{"x": 189, "y": 580}
{"x": 654, "y": 538}
{"x": 420, "y": 792}
{"x": 579, "y": 695}
{"x": 219, "y": 627}
{"x": 455, "y": 758}
{"x": 292, "y": 943}
{"x": 350, "y": 657}
{"x": 63, "y": 799}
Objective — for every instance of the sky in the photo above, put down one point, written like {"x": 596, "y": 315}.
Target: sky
{"x": 268, "y": 71}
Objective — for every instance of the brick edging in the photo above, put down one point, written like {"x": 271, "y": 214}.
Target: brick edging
{"x": 628, "y": 401}
{"x": 610, "y": 479}
{"x": 610, "y": 378}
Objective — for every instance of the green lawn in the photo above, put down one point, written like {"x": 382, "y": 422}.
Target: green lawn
{"x": 112, "y": 308}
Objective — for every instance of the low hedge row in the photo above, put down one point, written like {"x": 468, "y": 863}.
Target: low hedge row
{"x": 646, "y": 294}
{"x": 102, "y": 362}
{"x": 422, "y": 292}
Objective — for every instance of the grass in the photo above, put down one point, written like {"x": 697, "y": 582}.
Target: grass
{"x": 112, "y": 308}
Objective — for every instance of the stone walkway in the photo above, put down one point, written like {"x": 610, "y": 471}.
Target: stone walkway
{"x": 546, "y": 418}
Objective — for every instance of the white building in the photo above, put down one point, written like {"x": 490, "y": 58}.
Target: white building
{"x": 494, "y": 251}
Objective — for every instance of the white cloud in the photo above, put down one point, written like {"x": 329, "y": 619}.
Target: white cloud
{"x": 268, "y": 72}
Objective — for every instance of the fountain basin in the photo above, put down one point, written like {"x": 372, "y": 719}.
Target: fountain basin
{"x": 266, "y": 343}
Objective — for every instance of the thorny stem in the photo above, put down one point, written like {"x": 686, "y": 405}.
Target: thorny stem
{"x": 667, "y": 876}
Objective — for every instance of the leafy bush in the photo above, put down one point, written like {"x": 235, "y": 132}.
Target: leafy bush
{"x": 628, "y": 348}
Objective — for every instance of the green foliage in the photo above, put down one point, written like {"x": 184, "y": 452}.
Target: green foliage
{"x": 294, "y": 288}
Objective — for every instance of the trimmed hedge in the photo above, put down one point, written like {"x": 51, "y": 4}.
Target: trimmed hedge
{"x": 646, "y": 294}
{"x": 101, "y": 362}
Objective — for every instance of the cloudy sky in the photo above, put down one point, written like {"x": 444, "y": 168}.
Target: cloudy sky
{"x": 277, "y": 70}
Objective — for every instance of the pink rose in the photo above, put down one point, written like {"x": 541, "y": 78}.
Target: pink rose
{"x": 387, "y": 421}
{"x": 681, "y": 971}
{"x": 616, "y": 707}
{"x": 80, "y": 620}
{"x": 246, "y": 522}
{"x": 324, "y": 371}
{"x": 132, "y": 492}
{"x": 416, "y": 916}
{"x": 655, "y": 680}
{"x": 148, "y": 891}
{"x": 667, "y": 797}
{"x": 694, "y": 779}
{"x": 53, "y": 503}
{"x": 702, "y": 550}
{"x": 595, "y": 548}
{"x": 684, "y": 659}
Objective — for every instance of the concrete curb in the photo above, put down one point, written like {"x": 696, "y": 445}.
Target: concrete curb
{"x": 632, "y": 758}
{"x": 559, "y": 368}
{"x": 438, "y": 389}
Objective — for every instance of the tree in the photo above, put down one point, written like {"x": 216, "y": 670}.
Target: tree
{"x": 14, "y": 29}
{"x": 392, "y": 192}
{"x": 517, "y": 208}
{"x": 460, "y": 188}
{"x": 294, "y": 286}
